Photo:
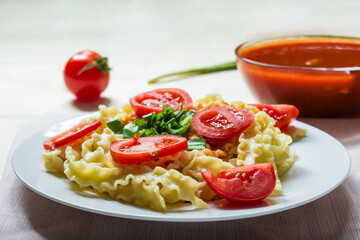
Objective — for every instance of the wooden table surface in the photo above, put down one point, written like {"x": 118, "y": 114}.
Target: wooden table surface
{"x": 142, "y": 39}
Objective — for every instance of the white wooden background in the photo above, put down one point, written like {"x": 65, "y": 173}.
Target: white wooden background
{"x": 142, "y": 39}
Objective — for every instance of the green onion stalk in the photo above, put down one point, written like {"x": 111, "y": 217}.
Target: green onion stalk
{"x": 193, "y": 72}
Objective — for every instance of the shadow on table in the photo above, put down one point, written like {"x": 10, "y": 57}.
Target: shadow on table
{"x": 315, "y": 220}
{"x": 91, "y": 106}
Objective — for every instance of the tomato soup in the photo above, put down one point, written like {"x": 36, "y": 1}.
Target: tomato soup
{"x": 318, "y": 74}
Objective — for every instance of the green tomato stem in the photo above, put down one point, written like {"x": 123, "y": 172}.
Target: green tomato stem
{"x": 193, "y": 72}
{"x": 100, "y": 63}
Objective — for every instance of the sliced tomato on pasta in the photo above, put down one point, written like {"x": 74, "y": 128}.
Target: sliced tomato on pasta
{"x": 144, "y": 149}
{"x": 222, "y": 122}
{"x": 243, "y": 184}
{"x": 76, "y": 132}
{"x": 283, "y": 114}
{"x": 155, "y": 100}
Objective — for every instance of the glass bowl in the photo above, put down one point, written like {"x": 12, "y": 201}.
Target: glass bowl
{"x": 317, "y": 91}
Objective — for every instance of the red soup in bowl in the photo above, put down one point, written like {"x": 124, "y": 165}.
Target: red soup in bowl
{"x": 320, "y": 75}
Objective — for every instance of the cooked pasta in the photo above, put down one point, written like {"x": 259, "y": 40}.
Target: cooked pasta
{"x": 262, "y": 142}
{"x": 176, "y": 178}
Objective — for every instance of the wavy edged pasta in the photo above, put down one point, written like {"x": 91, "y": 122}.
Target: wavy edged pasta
{"x": 264, "y": 143}
{"x": 124, "y": 114}
{"x": 143, "y": 186}
{"x": 52, "y": 161}
{"x": 201, "y": 162}
{"x": 176, "y": 178}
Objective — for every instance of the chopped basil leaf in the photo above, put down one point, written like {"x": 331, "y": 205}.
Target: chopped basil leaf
{"x": 128, "y": 133}
{"x": 129, "y": 130}
{"x": 180, "y": 114}
{"x": 191, "y": 113}
{"x": 172, "y": 122}
{"x": 186, "y": 121}
{"x": 196, "y": 144}
{"x": 141, "y": 122}
{"x": 147, "y": 116}
{"x": 116, "y": 126}
{"x": 148, "y": 132}
{"x": 132, "y": 127}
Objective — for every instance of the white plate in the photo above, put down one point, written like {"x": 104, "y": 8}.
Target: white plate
{"x": 322, "y": 164}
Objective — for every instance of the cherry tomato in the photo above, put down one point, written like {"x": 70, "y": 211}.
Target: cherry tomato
{"x": 222, "y": 122}
{"x": 155, "y": 100}
{"x": 282, "y": 113}
{"x": 86, "y": 75}
{"x": 138, "y": 150}
{"x": 78, "y": 131}
{"x": 243, "y": 184}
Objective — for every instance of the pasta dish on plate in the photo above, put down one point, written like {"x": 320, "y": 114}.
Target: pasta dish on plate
{"x": 162, "y": 148}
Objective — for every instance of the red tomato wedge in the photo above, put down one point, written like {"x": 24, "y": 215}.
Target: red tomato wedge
{"x": 243, "y": 184}
{"x": 155, "y": 100}
{"x": 282, "y": 113}
{"x": 138, "y": 150}
{"x": 222, "y": 122}
{"x": 78, "y": 131}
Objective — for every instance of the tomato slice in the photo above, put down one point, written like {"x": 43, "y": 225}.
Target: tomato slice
{"x": 222, "y": 122}
{"x": 282, "y": 113}
{"x": 243, "y": 184}
{"x": 138, "y": 150}
{"x": 78, "y": 131}
{"x": 155, "y": 100}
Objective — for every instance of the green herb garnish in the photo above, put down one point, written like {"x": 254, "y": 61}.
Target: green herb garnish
{"x": 128, "y": 133}
{"x": 129, "y": 130}
{"x": 196, "y": 144}
{"x": 169, "y": 121}
{"x": 116, "y": 126}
